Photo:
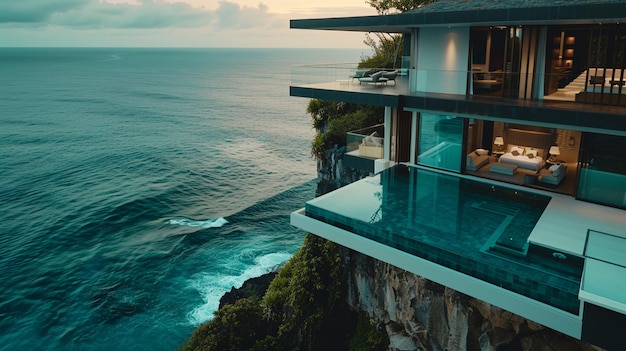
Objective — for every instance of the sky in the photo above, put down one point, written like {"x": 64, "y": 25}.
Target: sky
{"x": 174, "y": 23}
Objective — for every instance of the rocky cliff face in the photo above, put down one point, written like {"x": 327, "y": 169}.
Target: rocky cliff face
{"x": 419, "y": 314}
{"x": 332, "y": 174}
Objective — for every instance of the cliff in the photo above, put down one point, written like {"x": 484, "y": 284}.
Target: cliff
{"x": 421, "y": 315}
{"x": 328, "y": 297}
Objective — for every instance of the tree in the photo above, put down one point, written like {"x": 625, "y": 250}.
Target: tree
{"x": 388, "y": 47}
{"x": 385, "y": 7}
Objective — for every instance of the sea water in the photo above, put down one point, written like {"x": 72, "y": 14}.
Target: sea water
{"x": 137, "y": 186}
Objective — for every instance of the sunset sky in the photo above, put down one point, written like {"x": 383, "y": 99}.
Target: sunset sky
{"x": 173, "y": 23}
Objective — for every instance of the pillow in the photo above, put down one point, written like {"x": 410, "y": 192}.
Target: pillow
{"x": 553, "y": 168}
{"x": 540, "y": 152}
{"x": 519, "y": 149}
{"x": 482, "y": 152}
{"x": 556, "y": 172}
{"x": 515, "y": 153}
{"x": 531, "y": 153}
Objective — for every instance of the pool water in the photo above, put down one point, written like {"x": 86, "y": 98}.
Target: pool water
{"x": 475, "y": 227}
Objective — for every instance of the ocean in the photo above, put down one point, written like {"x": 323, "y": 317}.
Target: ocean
{"x": 137, "y": 186}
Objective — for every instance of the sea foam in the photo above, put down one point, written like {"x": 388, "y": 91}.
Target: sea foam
{"x": 213, "y": 286}
{"x": 209, "y": 223}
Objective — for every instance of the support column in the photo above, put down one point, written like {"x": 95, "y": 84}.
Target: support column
{"x": 413, "y": 159}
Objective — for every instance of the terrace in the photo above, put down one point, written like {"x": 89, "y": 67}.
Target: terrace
{"x": 334, "y": 82}
{"x": 506, "y": 245}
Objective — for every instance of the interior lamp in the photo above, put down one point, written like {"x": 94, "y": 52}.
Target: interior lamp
{"x": 554, "y": 152}
{"x": 498, "y": 142}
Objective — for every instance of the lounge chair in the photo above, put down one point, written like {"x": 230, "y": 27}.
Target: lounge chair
{"x": 390, "y": 75}
{"x": 374, "y": 78}
{"x": 360, "y": 73}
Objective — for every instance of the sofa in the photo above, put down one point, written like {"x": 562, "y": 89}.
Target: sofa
{"x": 553, "y": 175}
{"x": 372, "y": 146}
{"x": 476, "y": 159}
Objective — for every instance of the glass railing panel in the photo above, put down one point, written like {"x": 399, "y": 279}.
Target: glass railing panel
{"x": 558, "y": 85}
{"x": 367, "y": 142}
{"x": 346, "y": 73}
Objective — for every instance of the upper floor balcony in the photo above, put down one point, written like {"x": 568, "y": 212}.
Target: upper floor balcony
{"x": 592, "y": 99}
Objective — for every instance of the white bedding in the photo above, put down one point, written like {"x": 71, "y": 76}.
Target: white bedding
{"x": 523, "y": 161}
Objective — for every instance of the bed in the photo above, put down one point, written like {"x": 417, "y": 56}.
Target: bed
{"x": 524, "y": 160}
{"x": 527, "y": 146}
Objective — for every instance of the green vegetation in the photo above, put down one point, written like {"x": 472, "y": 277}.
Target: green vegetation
{"x": 333, "y": 120}
{"x": 368, "y": 336}
{"x": 387, "y": 47}
{"x": 384, "y": 7}
{"x": 303, "y": 309}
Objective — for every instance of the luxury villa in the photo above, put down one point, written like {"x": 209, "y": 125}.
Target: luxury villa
{"x": 500, "y": 170}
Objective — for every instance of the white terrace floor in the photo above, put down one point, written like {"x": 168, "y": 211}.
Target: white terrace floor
{"x": 588, "y": 230}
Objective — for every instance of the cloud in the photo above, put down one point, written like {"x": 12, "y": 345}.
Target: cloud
{"x": 144, "y": 14}
{"x": 189, "y": 23}
{"x": 35, "y": 11}
{"x": 99, "y": 14}
{"x": 231, "y": 15}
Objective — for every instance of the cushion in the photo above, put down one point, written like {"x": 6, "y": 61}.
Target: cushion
{"x": 519, "y": 149}
{"x": 556, "y": 172}
{"x": 553, "y": 168}
{"x": 482, "y": 152}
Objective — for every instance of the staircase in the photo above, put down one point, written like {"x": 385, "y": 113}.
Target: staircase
{"x": 568, "y": 93}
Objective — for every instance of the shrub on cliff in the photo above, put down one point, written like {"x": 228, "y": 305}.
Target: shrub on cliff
{"x": 333, "y": 120}
{"x": 303, "y": 309}
{"x": 239, "y": 326}
{"x": 305, "y": 292}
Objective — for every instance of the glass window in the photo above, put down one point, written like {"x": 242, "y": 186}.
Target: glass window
{"x": 603, "y": 172}
{"x": 440, "y": 138}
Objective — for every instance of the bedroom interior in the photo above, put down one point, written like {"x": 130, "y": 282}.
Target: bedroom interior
{"x": 532, "y": 156}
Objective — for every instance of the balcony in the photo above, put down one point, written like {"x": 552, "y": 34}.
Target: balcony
{"x": 364, "y": 147}
{"x": 338, "y": 82}
{"x": 572, "y": 100}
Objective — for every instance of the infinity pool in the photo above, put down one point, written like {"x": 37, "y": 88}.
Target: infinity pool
{"x": 474, "y": 227}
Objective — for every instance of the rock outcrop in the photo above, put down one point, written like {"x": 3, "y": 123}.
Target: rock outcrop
{"x": 253, "y": 287}
{"x": 331, "y": 173}
{"x": 421, "y": 315}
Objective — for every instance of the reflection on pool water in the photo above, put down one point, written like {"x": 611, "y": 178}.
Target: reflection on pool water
{"x": 474, "y": 227}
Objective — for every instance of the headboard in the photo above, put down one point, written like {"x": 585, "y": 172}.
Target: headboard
{"x": 537, "y": 137}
